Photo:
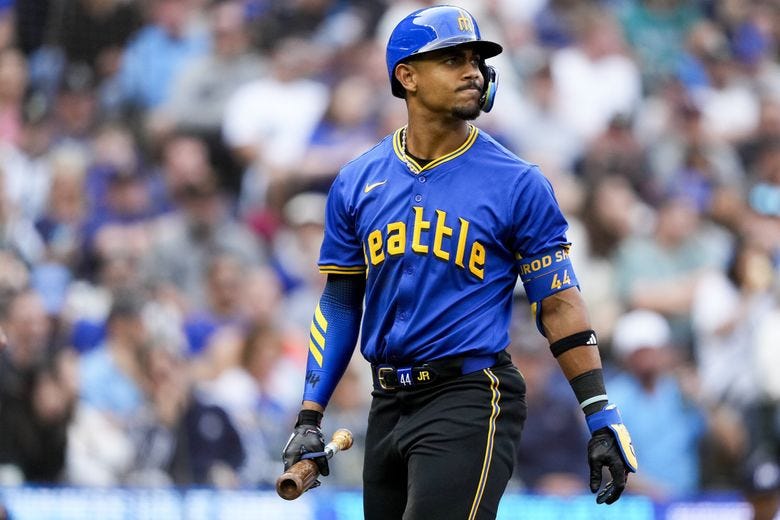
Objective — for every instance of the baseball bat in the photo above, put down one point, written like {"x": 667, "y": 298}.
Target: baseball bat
{"x": 293, "y": 482}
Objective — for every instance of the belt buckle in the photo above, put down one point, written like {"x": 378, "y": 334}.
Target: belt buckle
{"x": 380, "y": 375}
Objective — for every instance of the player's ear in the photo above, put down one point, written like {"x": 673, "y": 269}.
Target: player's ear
{"x": 406, "y": 75}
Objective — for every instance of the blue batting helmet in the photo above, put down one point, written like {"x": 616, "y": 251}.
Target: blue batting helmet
{"x": 436, "y": 28}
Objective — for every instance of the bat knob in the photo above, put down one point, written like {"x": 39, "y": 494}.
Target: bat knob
{"x": 342, "y": 438}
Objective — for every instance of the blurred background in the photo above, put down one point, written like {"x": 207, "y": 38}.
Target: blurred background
{"x": 163, "y": 171}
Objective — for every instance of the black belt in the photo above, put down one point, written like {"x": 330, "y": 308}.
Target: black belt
{"x": 389, "y": 377}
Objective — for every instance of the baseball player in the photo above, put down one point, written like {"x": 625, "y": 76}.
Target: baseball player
{"x": 431, "y": 228}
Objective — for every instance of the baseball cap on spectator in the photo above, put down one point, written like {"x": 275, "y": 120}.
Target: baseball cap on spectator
{"x": 305, "y": 208}
{"x": 639, "y": 329}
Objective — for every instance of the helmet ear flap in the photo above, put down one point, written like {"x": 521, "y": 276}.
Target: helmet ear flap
{"x": 490, "y": 75}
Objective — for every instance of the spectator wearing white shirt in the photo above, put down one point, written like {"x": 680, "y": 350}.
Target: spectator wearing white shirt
{"x": 595, "y": 79}
{"x": 268, "y": 122}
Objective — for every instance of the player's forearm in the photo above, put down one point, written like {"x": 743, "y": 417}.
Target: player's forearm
{"x": 333, "y": 335}
{"x": 563, "y": 315}
{"x": 575, "y": 346}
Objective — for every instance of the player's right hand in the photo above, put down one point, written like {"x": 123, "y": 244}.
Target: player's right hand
{"x": 307, "y": 442}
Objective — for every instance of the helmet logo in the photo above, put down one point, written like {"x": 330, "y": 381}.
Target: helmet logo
{"x": 464, "y": 22}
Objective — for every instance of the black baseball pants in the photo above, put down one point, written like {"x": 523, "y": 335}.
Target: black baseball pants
{"x": 444, "y": 452}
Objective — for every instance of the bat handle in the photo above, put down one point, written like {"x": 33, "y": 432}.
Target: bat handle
{"x": 300, "y": 477}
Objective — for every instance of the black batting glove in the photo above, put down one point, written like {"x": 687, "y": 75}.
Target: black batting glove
{"x": 603, "y": 452}
{"x": 609, "y": 447}
{"x": 307, "y": 442}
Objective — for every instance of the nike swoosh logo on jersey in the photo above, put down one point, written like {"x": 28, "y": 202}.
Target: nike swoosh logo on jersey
{"x": 370, "y": 187}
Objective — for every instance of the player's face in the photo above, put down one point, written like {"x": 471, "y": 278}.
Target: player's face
{"x": 450, "y": 81}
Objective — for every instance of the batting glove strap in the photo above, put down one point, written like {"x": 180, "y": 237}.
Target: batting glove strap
{"x": 609, "y": 418}
{"x": 310, "y": 417}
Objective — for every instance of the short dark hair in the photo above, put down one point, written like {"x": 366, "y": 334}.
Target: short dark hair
{"x": 127, "y": 303}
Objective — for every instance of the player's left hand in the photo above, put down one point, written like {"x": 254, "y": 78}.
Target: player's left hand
{"x": 610, "y": 446}
{"x": 306, "y": 442}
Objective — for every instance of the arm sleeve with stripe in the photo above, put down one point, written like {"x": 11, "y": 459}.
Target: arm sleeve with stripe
{"x": 333, "y": 335}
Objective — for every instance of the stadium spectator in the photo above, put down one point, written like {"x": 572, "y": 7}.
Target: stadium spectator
{"x": 37, "y": 394}
{"x": 617, "y": 152}
{"x": 202, "y": 226}
{"x": 181, "y": 159}
{"x": 547, "y": 460}
{"x": 158, "y": 52}
{"x": 346, "y": 130}
{"x": 201, "y": 90}
{"x": 656, "y": 30}
{"x": 247, "y": 366}
{"x": 223, "y": 280}
{"x": 554, "y": 139}
{"x": 659, "y": 272}
{"x": 92, "y": 32}
{"x": 75, "y": 109}
{"x": 61, "y": 220}
{"x": 17, "y": 233}
{"x": 729, "y": 108}
{"x": 269, "y": 139}
{"x": 13, "y": 85}
{"x": 655, "y": 399}
{"x": 594, "y": 80}
{"x": 184, "y": 440}
{"x": 111, "y": 399}
{"x": 111, "y": 377}
{"x": 687, "y": 149}
{"x": 295, "y": 251}
{"x": 728, "y": 310}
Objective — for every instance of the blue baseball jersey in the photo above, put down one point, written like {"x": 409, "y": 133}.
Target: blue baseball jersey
{"x": 442, "y": 245}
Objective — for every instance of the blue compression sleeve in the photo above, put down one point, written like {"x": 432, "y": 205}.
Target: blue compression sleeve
{"x": 333, "y": 335}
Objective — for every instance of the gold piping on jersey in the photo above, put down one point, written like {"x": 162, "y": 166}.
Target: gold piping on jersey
{"x": 337, "y": 269}
{"x": 399, "y": 139}
{"x": 496, "y": 410}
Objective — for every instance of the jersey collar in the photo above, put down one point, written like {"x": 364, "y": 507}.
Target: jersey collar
{"x": 416, "y": 168}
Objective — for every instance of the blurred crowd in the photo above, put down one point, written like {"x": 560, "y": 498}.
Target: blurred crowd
{"x": 164, "y": 166}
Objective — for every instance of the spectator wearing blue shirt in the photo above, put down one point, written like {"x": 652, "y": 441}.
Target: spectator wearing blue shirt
{"x": 111, "y": 378}
{"x": 159, "y": 52}
{"x": 666, "y": 426}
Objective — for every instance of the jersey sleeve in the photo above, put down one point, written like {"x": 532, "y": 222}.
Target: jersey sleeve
{"x": 341, "y": 251}
{"x": 539, "y": 224}
{"x": 539, "y": 240}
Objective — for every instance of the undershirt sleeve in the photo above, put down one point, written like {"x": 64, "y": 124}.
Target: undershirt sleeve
{"x": 333, "y": 335}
